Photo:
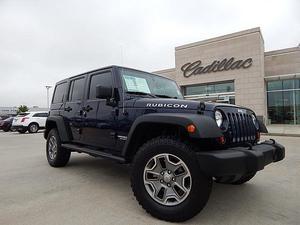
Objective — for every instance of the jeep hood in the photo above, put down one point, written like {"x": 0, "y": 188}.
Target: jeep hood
{"x": 169, "y": 103}
{"x": 166, "y": 103}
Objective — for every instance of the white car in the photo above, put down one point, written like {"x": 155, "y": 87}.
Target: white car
{"x": 29, "y": 121}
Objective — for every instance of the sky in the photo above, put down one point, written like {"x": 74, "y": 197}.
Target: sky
{"x": 42, "y": 42}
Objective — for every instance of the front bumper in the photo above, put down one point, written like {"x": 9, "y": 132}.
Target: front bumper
{"x": 240, "y": 160}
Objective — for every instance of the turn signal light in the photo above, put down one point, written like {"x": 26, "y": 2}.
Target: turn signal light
{"x": 221, "y": 140}
{"x": 23, "y": 119}
{"x": 191, "y": 128}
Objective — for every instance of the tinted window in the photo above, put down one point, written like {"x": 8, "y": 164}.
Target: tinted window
{"x": 103, "y": 79}
{"x": 59, "y": 93}
{"x": 22, "y": 114}
{"x": 288, "y": 84}
{"x": 40, "y": 115}
{"x": 76, "y": 90}
{"x": 210, "y": 88}
{"x": 274, "y": 85}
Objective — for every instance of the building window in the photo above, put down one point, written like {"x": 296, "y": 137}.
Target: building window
{"x": 284, "y": 101}
{"x": 214, "y": 88}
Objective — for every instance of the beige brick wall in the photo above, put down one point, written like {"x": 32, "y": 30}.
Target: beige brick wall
{"x": 249, "y": 83}
{"x": 281, "y": 62}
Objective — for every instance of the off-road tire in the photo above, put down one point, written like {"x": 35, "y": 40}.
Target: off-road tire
{"x": 62, "y": 155}
{"x": 200, "y": 188}
{"x": 229, "y": 180}
{"x": 32, "y": 128}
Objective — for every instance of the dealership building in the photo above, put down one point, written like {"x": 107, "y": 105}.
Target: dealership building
{"x": 235, "y": 68}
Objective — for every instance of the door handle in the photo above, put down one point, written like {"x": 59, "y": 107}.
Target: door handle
{"x": 68, "y": 109}
{"x": 88, "y": 108}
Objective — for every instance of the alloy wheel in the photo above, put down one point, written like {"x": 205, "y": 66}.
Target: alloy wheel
{"x": 52, "y": 147}
{"x": 167, "y": 179}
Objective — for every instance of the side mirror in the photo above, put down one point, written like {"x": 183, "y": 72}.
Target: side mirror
{"x": 103, "y": 92}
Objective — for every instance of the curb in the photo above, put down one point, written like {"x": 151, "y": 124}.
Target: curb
{"x": 281, "y": 134}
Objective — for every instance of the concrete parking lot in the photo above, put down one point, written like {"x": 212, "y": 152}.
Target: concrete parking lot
{"x": 97, "y": 191}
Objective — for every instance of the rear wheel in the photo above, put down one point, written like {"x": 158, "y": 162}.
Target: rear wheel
{"x": 167, "y": 182}
{"x": 33, "y": 128}
{"x": 57, "y": 156}
{"x": 231, "y": 179}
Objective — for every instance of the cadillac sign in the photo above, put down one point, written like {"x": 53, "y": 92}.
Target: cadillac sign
{"x": 196, "y": 68}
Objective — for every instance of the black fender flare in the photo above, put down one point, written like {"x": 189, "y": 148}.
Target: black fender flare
{"x": 206, "y": 127}
{"x": 60, "y": 125}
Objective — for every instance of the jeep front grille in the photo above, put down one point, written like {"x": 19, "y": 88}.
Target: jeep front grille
{"x": 241, "y": 128}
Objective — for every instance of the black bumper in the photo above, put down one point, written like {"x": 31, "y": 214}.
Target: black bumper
{"x": 19, "y": 127}
{"x": 240, "y": 160}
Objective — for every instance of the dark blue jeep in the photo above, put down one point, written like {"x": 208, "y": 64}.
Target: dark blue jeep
{"x": 176, "y": 147}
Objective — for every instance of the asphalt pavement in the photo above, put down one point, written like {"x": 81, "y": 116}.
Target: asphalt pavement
{"x": 97, "y": 191}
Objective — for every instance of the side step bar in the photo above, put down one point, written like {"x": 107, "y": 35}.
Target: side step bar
{"x": 93, "y": 152}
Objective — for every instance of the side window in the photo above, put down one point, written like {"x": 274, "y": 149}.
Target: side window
{"x": 40, "y": 115}
{"x": 76, "y": 90}
{"x": 59, "y": 93}
{"x": 103, "y": 79}
{"x": 44, "y": 114}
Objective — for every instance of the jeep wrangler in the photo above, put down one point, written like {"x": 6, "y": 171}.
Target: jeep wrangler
{"x": 175, "y": 147}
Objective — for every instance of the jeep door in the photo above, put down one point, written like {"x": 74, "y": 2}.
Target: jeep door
{"x": 99, "y": 117}
{"x": 73, "y": 107}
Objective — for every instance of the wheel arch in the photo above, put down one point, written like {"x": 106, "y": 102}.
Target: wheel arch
{"x": 58, "y": 123}
{"x": 167, "y": 124}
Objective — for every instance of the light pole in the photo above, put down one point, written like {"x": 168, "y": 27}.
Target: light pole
{"x": 48, "y": 87}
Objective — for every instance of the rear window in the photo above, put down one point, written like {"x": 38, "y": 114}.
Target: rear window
{"x": 22, "y": 114}
{"x": 59, "y": 93}
{"x": 40, "y": 115}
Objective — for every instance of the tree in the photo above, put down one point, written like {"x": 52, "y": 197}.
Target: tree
{"x": 22, "y": 108}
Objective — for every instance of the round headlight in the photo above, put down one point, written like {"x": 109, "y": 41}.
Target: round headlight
{"x": 218, "y": 118}
{"x": 254, "y": 121}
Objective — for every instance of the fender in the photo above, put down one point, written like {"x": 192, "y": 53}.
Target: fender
{"x": 61, "y": 127}
{"x": 206, "y": 127}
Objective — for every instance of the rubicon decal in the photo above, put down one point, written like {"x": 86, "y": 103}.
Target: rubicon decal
{"x": 166, "y": 105}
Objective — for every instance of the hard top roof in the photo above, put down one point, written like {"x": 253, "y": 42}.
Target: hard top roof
{"x": 108, "y": 67}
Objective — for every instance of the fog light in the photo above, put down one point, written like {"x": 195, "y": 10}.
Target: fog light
{"x": 191, "y": 128}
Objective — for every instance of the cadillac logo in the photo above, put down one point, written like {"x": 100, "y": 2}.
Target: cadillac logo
{"x": 196, "y": 68}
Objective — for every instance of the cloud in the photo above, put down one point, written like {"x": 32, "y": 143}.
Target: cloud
{"x": 42, "y": 42}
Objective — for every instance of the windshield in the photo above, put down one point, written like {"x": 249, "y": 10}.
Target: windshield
{"x": 142, "y": 82}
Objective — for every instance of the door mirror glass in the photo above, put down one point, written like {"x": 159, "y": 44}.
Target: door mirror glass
{"x": 103, "y": 92}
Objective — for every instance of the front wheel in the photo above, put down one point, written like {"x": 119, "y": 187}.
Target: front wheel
{"x": 167, "y": 182}
{"x": 6, "y": 129}
{"x": 57, "y": 156}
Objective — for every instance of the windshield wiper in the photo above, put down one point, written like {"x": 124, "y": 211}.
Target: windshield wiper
{"x": 165, "y": 96}
{"x": 141, "y": 93}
